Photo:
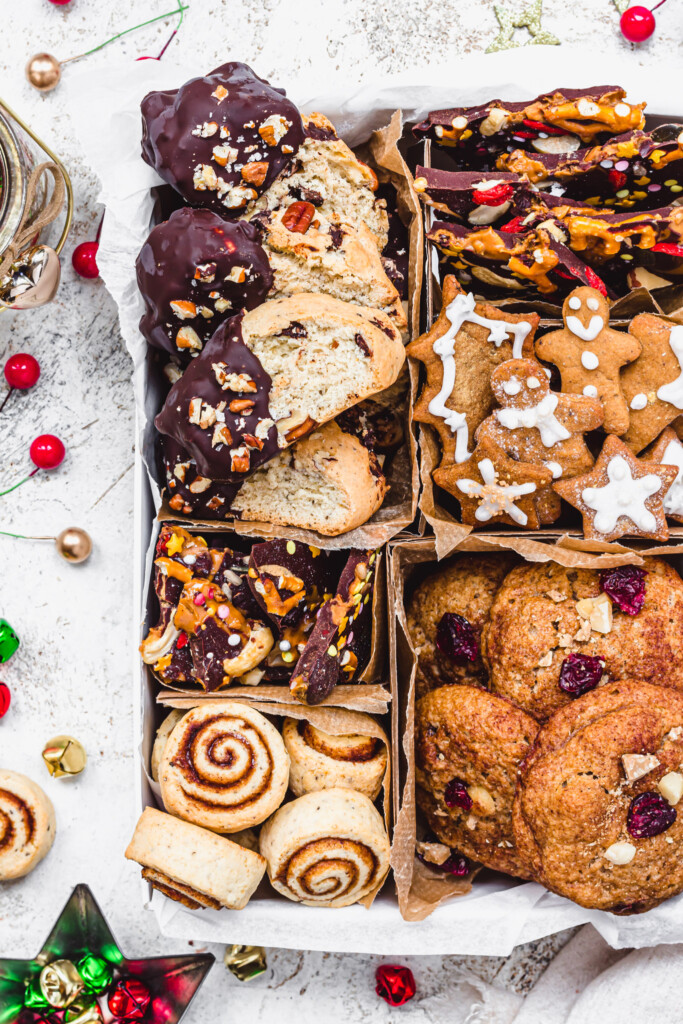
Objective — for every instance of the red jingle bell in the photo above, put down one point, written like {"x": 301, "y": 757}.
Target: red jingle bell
{"x": 5, "y": 699}
{"x": 47, "y": 451}
{"x": 22, "y": 371}
{"x": 637, "y": 24}
{"x": 84, "y": 260}
{"x": 129, "y": 999}
{"x": 395, "y": 984}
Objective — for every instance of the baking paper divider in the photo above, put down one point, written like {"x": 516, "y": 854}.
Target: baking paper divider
{"x": 421, "y": 890}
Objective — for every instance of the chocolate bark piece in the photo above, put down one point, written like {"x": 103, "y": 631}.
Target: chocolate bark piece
{"x": 377, "y": 426}
{"x": 500, "y": 264}
{"x": 555, "y": 122}
{"x": 396, "y": 253}
{"x": 637, "y": 170}
{"x": 339, "y": 646}
{"x": 472, "y": 197}
{"x": 195, "y": 271}
{"x": 190, "y": 493}
{"x": 221, "y": 140}
{"x": 218, "y": 411}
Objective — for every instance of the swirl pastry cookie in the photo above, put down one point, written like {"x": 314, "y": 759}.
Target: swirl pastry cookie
{"x": 27, "y": 825}
{"x": 224, "y": 767}
{"x": 469, "y": 745}
{"x": 596, "y": 813}
{"x": 554, "y": 633}
{"x": 320, "y": 760}
{"x": 163, "y": 732}
{"x": 193, "y": 866}
{"x": 326, "y": 849}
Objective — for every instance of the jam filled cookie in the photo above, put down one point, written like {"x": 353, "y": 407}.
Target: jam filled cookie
{"x": 469, "y": 745}
{"x": 597, "y": 810}
{"x": 555, "y": 633}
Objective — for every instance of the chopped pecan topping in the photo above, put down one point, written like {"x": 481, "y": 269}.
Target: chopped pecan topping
{"x": 241, "y": 405}
{"x": 253, "y": 442}
{"x": 298, "y": 217}
{"x": 273, "y": 129}
{"x": 220, "y": 93}
{"x": 187, "y": 337}
{"x": 255, "y": 173}
{"x": 300, "y": 429}
{"x": 176, "y": 503}
{"x": 239, "y": 459}
{"x": 183, "y": 309}
{"x": 194, "y": 410}
{"x": 205, "y": 272}
{"x": 237, "y": 274}
{"x": 238, "y": 382}
{"x": 199, "y": 484}
{"x": 224, "y": 155}
{"x": 221, "y": 435}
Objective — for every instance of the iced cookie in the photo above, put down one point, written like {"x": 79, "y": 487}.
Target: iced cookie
{"x": 653, "y": 385}
{"x": 589, "y": 354}
{"x": 669, "y": 451}
{"x": 459, "y": 352}
{"x": 491, "y": 485}
{"x": 537, "y": 425}
{"x": 621, "y": 495}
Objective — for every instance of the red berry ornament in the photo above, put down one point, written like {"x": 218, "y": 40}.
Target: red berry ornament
{"x": 129, "y": 999}
{"x": 5, "y": 699}
{"x": 59, "y": 3}
{"x": 22, "y": 371}
{"x": 47, "y": 451}
{"x": 637, "y": 24}
{"x": 395, "y": 984}
{"x": 84, "y": 259}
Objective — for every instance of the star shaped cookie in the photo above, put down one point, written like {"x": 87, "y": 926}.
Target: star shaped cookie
{"x": 653, "y": 385}
{"x": 668, "y": 450}
{"x": 491, "y": 485}
{"x": 622, "y": 495}
{"x": 459, "y": 352}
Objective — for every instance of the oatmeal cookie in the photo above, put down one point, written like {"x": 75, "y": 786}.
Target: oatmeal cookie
{"x": 596, "y": 810}
{"x": 468, "y": 747}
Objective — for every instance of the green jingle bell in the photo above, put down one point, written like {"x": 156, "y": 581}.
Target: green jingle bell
{"x": 61, "y": 984}
{"x": 96, "y": 973}
{"x": 9, "y": 641}
{"x": 33, "y": 997}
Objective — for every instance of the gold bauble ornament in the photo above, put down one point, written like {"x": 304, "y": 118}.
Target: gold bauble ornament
{"x": 43, "y": 71}
{"x": 74, "y": 544}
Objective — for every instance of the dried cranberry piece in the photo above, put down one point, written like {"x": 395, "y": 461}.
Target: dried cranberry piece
{"x": 648, "y": 815}
{"x": 625, "y": 586}
{"x": 456, "y": 638}
{"x": 457, "y": 864}
{"x": 455, "y": 795}
{"x": 580, "y": 673}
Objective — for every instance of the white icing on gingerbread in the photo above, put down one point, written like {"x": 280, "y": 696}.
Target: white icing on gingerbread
{"x": 574, "y": 302}
{"x": 542, "y": 416}
{"x": 555, "y": 468}
{"x": 673, "y": 392}
{"x": 639, "y": 401}
{"x": 590, "y": 391}
{"x": 533, "y": 383}
{"x": 589, "y": 360}
{"x": 496, "y": 499}
{"x": 622, "y": 496}
{"x": 593, "y": 304}
{"x": 587, "y": 332}
{"x": 512, "y": 386}
{"x": 459, "y": 311}
{"x": 673, "y": 500}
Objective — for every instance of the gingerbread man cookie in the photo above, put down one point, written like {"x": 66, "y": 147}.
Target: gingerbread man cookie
{"x": 589, "y": 354}
{"x": 491, "y": 485}
{"x": 621, "y": 494}
{"x": 537, "y": 425}
{"x": 463, "y": 347}
{"x": 669, "y": 451}
{"x": 653, "y": 385}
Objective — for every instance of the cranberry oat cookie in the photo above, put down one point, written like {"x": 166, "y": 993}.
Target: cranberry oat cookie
{"x": 554, "y": 632}
{"x": 445, "y": 617}
{"x": 468, "y": 748}
{"x": 596, "y": 812}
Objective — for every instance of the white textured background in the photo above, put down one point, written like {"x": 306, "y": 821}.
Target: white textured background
{"x": 72, "y": 671}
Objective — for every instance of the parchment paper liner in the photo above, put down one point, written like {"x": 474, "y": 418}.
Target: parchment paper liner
{"x": 400, "y": 505}
{"x": 420, "y": 890}
{"x": 334, "y": 720}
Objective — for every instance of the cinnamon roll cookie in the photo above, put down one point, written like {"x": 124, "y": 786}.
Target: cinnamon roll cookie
{"x": 193, "y": 866}
{"x": 320, "y": 760}
{"x": 224, "y": 767}
{"x": 27, "y": 825}
{"x": 326, "y": 849}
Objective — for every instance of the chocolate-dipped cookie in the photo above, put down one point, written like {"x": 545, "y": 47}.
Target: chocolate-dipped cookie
{"x": 221, "y": 140}
{"x": 195, "y": 271}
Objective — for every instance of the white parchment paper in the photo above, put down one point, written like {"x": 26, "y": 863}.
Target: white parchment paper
{"x": 104, "y": 104}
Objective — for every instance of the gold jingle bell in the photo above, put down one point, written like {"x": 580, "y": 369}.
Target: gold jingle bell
{"x": 84, "y": 1011}
{"x": 245, "y": 962}
{"x": 60, "y": 983}
{"x": 64, "y": 755}
{"x": 43, "y": 72}
{"x": 74, "y": 544}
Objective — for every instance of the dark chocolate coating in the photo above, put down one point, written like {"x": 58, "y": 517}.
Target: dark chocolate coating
{"x": 168, "y": 144}
{"x": 318, "y": 571}
{"x": 396, "y": 253}
{"x": 376, "y": 426}
{"x": 213, "y": 502}
{"x": 199, "y": 381}
{"x": 454, "y": 190}
{"x": 190, "y": 258}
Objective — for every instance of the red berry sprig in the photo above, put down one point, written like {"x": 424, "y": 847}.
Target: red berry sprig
{"x": 84, "y": 260}
{"x": 395, "y": 984}
{"x": 47, "y": 452}
{"x": 21, "y": 373}
{"x": 638, "y": 23}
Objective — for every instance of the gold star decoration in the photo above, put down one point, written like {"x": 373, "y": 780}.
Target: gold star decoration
{"x": 622, "y": 5}
{"x": 530, "y": 18}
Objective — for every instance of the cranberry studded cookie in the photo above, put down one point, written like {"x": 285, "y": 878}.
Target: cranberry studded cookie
{"x": 537, "y": 425}
{"x": 622, "y": 495}
{"x": 554, "y": 633}
{"x": 653, "y": 385}
{"x": 589, "y": 354}
{"x": 469, "y": 745}
{"x": 445, "y": 616}
{"x": 596, "y": 811}
{"x": 459, "y": 352}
